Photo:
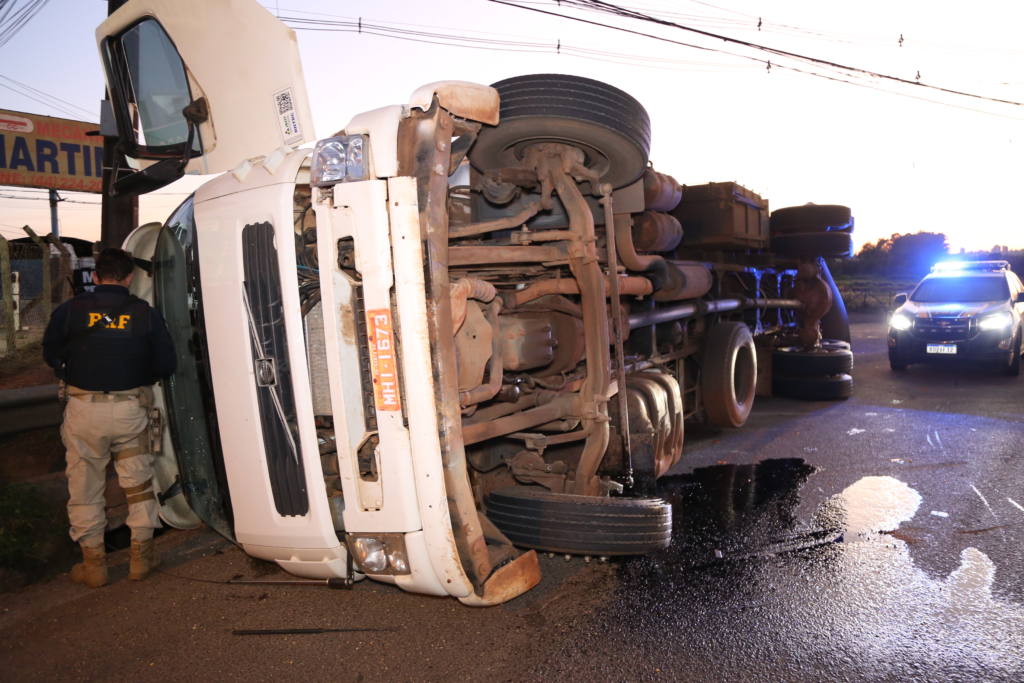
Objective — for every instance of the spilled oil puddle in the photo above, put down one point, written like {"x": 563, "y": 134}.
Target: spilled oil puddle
{"x": 747, "y": 591}
{"x": 736, "y": 512}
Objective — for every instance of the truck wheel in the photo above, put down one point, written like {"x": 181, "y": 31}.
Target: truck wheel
{"x": 794, "y": 361}
{"x": 611, "y": 127}
{"x": 831, "y": 388}
{"x": 728, "y": 374}
{"x": 581, "y": 525}
{"x": 813, "y": 244}
{"x": 810, "y": 218}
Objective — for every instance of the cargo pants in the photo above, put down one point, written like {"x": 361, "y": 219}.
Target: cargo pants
{"x": 98, "y": 426}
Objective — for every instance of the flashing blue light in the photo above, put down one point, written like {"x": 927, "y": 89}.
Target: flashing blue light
{"x": 954, "y": 267}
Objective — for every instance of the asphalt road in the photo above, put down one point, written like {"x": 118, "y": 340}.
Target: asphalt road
{"x": 873, "y": 539}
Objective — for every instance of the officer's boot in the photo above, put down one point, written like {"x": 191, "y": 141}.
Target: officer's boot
{"x": 143, "y": 559}
{"x": 92, "y": 570}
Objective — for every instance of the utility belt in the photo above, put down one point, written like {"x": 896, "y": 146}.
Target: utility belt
{"x": 143, "y": 394}
{"x": 154, "y": 430}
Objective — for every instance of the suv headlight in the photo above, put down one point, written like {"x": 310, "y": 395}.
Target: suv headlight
{"x": 900, "y": 322}
{"x": 997, "y": 322}
{"x": 340, "y": 159}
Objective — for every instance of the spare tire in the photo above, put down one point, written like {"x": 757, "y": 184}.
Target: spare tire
{"x": 728, "y": 374}
{"x": 795, "y": 361}
{"x": 608, "y": 125}
{"x": 810, "y": 218}
{"x": 814, "y": 244}
{"x": 829, "y": 388}
{"x": 532, "y": 517}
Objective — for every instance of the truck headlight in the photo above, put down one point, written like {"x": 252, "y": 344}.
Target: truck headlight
{"x": 369, "y": 554}
{"x": 997, "y": 322}
{"x": 380, "y": 553}
{"x": 900, "y": 322}
{"x": 340, "y": 159}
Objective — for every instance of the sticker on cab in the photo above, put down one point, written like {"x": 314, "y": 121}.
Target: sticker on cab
{"x": 383, "y": 363}
{"x": 284, "y": 102}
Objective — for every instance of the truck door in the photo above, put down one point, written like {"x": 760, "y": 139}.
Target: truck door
{"x": 199, "y": 87}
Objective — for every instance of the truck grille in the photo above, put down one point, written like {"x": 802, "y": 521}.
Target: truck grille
{"x": 944, "y": 329}
{"x": 274, "y": 392}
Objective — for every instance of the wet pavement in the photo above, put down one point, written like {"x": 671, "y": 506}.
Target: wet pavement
{"x": 878, "y": 538}
{"x": 751, "y": 592}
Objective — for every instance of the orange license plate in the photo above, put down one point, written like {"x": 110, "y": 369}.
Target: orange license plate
{"x": 383, "y": 362}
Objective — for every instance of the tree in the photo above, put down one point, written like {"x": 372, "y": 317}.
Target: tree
{"x": 908, "y": 255}
{"x": 915, "y": 254}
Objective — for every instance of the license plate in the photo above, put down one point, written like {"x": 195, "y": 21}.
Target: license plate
{"x": 948, "y": 349}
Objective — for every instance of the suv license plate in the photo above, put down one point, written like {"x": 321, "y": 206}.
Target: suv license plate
{"x": 941, "y": 348}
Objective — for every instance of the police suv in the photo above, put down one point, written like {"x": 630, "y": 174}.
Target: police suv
{"x": 971, "y": 310}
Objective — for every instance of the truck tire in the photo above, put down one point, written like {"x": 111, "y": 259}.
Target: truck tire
{"x": 795, "y": 361}
{"x": 813, "y": 244}
{"x": 827, "y": 388}
{"x": 728, "y": 374}
{"x": 810, "y": 218}
{"x": 609, "y": 125}
{"x": 581, "y": 525}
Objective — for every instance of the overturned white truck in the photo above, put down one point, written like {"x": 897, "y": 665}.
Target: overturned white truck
{"x": 460, "y": 330}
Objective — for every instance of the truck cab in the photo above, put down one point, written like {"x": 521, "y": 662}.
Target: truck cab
{"x": 462, "y": 329}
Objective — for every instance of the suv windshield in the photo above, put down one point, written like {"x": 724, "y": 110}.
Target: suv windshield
{"x": 962, "y": 288}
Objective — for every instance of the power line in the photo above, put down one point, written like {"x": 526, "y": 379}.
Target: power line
{"x": 52, "y": 105}
{"x": 10, "y": 27}
{"x": 48, "y": 95}
{"x": 46, "y": 199}
{"x": 616, "y": 10}
{"x": 448, "y": 39}
{"x": 456, "y": 40}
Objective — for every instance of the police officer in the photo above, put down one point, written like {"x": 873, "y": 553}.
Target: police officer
{"x": 108, "y": 347}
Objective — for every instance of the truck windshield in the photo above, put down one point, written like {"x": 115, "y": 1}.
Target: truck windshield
{"x": 962, "y": 288}
{"x": 190, "y": 404}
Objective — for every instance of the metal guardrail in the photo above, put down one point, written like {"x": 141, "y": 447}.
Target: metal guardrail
{"x": 30, "y": 408}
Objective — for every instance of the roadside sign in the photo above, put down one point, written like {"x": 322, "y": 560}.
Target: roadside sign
{"x": 43, "y": 151}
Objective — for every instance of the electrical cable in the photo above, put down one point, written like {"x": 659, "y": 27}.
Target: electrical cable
{"x": 388, "y": 30}
{"x": 48, "y": 95}
{"x": 65, "y": 110}
{"x": 616, "y": 10}
{"x": 19, "y": 19}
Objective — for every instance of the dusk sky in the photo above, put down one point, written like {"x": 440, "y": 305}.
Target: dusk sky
{"x": 905, "y": 157}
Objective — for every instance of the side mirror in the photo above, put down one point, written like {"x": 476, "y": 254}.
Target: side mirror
{"x": 899, "y": 299}
{"x": 151, "y": 178}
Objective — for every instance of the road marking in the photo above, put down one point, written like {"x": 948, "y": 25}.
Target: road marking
{"x": 939, "y": 440}
{"x": 929, "y": 437}
{"x": 1015, "y": 504}
{"x": 990, "y": 511}
{"x": 855, "y": 431}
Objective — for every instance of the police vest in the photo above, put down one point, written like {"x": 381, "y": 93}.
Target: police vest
{"x": 108, "y": 339}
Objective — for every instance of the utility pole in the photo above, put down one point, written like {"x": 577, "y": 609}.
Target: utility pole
{"x": 118, "y": 215}
{"x": 54, "y": 224}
